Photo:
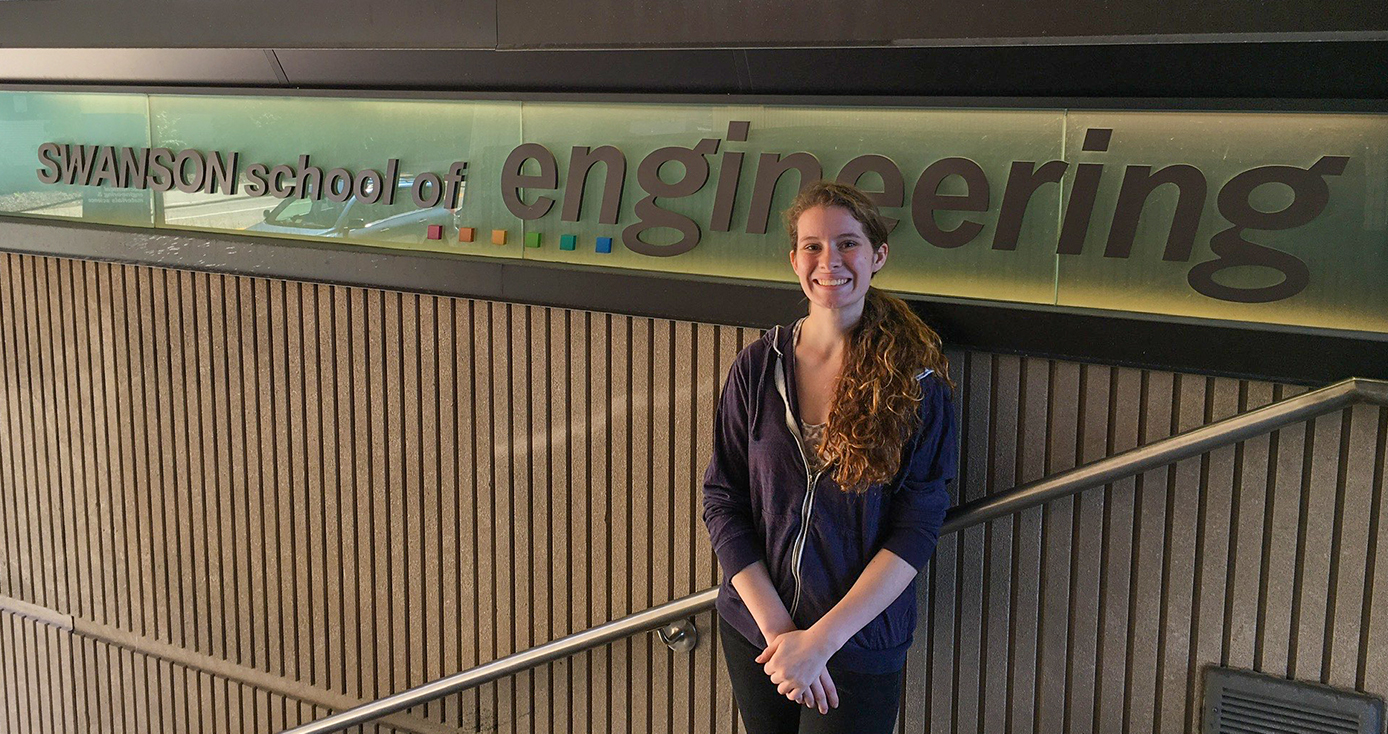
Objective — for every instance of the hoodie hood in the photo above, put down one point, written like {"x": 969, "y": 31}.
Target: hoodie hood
{"x": 779, "y": 341}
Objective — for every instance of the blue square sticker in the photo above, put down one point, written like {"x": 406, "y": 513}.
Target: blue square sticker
{"x": 605, "y": 244}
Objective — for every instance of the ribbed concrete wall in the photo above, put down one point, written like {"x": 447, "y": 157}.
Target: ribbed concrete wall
{"x": 230, "y": 502}
{"x": 1097, "y": 613}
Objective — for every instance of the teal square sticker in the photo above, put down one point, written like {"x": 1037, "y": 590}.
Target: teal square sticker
{"x": 532, "y": 239}
{"x": 568, "y": 242}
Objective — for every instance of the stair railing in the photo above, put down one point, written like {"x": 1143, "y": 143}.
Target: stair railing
{"x": 674, "y": 619}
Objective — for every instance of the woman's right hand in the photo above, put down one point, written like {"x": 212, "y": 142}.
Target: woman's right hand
{"x": 753, "y": 584}
{"x": 794, "y": 661}
{"x": 822, "y": 694}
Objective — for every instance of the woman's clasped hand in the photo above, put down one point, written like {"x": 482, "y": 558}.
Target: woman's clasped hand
{"x": 796, "y": 662}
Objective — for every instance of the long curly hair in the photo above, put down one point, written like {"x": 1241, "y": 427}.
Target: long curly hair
{"x": 877, "y": 397}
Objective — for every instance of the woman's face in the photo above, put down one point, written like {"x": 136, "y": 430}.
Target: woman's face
{"x": 832, "y": 257}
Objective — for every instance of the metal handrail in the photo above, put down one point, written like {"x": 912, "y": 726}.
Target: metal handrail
{"x": 1134, "y": 461}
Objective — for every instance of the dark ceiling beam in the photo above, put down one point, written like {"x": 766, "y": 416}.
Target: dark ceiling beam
{"x": 1350, "y": 70}
{"x": 654, "y": 24}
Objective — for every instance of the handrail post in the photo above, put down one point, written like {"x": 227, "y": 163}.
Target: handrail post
{"x": 682, "y": 636}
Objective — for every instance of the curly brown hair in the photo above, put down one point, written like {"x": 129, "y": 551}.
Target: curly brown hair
{"x": 877, "y": 395}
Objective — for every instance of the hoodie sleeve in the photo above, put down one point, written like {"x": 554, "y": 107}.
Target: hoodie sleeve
{"x": 918, "y": 506}
{"x": 727, "y": 494}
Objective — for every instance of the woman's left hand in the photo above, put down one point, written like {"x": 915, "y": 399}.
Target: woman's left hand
{"x": 794, "y": 661}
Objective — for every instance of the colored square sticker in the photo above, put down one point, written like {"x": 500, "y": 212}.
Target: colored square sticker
{"x": 568, "y": 242}
{"x": 435, "y": 232}
{"x": 498, "y": 237}
{"x": 532, "y": 239}
{"x": 465, "y": 234}
{"x": 604, "y": 244}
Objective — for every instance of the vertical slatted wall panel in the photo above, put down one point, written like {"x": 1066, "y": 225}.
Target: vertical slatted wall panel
{"x": 1263, "y": 555}
{"x": 357, "y": 490}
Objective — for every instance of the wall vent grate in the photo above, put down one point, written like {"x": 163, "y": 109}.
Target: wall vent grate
{"x": 1240, "y": 702}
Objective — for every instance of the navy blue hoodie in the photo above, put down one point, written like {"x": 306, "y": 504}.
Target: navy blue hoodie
{"x": 762, "y": 504}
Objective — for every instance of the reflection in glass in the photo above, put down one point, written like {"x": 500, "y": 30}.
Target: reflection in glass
{"x": 30, "y": 119}
{"x": 1342, "y": 249}
{"x": 398, "y": 221}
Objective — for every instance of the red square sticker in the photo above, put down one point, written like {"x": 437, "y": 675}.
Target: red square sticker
{"x": 435, "y": 231}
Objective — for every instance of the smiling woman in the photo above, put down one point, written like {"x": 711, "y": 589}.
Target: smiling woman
{"x": 818, "y": 600}
{"x": 832, "y": 256}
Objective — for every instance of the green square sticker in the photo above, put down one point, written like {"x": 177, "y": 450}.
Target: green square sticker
{"x": 532, "y": 239}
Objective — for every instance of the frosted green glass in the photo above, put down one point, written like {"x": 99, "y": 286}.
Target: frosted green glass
{"x": 1345, "y": 248}
{"x": 353, "y": 134}
{"x": 1341, "y": 252}
{"x": 30, "y": 119}
{"x": 912, "y": 139}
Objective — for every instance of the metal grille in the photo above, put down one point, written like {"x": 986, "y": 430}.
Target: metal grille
{"x": 1238, "y": 702}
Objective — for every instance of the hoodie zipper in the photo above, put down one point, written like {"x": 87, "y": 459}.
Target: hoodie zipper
{"x": 806, "y": 511}
{"x": 812, "y": 479}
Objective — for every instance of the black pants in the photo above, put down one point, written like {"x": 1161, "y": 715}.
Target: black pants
{"x": 868, "y": 703}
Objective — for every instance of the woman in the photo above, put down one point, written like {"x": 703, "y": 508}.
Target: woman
{"x": 833, "y": 441}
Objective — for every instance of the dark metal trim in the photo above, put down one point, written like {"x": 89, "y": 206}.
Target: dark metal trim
{"x": 1169, "y": 76}
{"x": 1265, "y": 352}
{"x": 276, "y": 66}
{"x": 1158, "y": 104}
{"x": 1150, "y": 39}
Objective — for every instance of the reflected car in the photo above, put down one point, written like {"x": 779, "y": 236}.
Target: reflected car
{"x": 401, "y": 221}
